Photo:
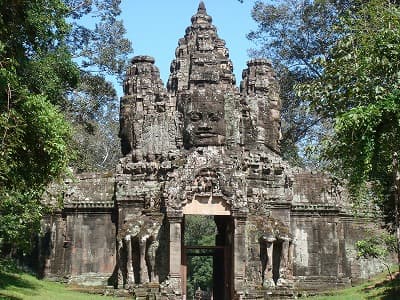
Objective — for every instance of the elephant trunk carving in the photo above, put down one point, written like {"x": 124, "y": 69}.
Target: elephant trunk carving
{"x": 137, "y": 245}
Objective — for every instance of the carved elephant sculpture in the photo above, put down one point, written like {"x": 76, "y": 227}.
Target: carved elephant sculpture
{"x": 145, "y": 230}
{"x": 283, "y": 244}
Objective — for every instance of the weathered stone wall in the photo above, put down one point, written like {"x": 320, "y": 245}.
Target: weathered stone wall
{"x": 324, "y": 251}
{"x": 79, "y": 242}
{"x": 317, "y": 255}
{"x": 92, "y": 246}
{"x": 324, "y": 234}
{"x": 316, "y": 188}
{"x": 355, "y": 229}
{"x": 315, "y": 215}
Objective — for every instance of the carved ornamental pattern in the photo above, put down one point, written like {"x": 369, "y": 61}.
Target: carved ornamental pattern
{"x": 202, "y": 137}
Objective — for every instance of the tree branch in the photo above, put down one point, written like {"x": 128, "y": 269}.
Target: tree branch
{"x": 8, "y": 91}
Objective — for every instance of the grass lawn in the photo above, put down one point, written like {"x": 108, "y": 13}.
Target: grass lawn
{"x": 18, "y": 285}
{"x": 15, "y": 286}
{"x": 379, "y": 287}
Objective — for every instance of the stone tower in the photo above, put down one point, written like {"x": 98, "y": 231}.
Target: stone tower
{"x": 203, "y": 146}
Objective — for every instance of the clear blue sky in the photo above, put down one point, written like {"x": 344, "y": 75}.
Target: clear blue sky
{"x": 154, "y": 27}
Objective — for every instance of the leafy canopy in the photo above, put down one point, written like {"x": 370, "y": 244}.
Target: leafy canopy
{"x": 359, "y": 90}
{"x": 199, "y": 231}
{"x": 36, "y": 72}
{"x": 293, "y": 34}
{"x": 97, "y": 42}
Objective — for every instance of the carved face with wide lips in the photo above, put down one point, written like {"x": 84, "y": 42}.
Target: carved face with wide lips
{"x": 204, "y": 124}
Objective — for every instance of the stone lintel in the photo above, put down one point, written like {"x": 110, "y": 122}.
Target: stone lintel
{"x": 174, "y": 216}
{"x": 88, "y": 210}
{"x": 279, "y": 205}
{"x": 129, "y": 203}
{"x": 307, "y": 214}
{"x": 315, "y": 210}
{"x": 239, "y": 215}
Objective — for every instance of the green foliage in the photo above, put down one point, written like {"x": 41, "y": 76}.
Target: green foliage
{"x": 199, "y": 231}
{"x": 35, "y": 73}
{"x": 363, "y": 67}
{"x": 94, "y": 114}
{"x": 101, "y": 47}
{"x": 34, "y": 137}
{"x": 367, "y": 136}
{"x": 200, "y": 274}
{"x": 30, "y": 27}
{"x": 97, "y": 42}
{"x": 52, "y": 74}
{"x": 9, "y": 266}
{"x": 294, "y": 33}
{"x": 375, "y": 288}
{"x": 19, "y": 221}
{"x": 34, "y": 152}
{"x": 377, "y": 246}
{"x": 359, "y": 90}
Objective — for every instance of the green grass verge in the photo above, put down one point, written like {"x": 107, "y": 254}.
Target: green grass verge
{"x": 16, "y": 286}
{"x": 379, "y": 287}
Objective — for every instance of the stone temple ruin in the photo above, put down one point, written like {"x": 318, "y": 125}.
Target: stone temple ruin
{"x": 202, "y": 146}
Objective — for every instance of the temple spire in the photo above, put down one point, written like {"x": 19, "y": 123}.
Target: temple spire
{"x": 202, "y": 8}
{"x": 201, "y": 15}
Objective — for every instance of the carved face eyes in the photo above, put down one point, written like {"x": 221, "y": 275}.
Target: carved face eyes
{"x": 213, "y": 117}
{"x": 195, "y": 116}
{"x": 198, "y": 116}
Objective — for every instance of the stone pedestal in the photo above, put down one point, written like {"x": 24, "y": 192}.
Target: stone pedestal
{"x": 144, "y": 274}
{"x": 268, "y": 281}
{"x": 175, "y": 252}
{"x": 239, "y": 252}
{"x": 147, "y": 291}
{"x": 130, "y": 275}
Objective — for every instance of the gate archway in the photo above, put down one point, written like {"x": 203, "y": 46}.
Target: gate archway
{"x": 220, "y": 253}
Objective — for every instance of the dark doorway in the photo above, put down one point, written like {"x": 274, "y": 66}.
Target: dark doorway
{"x": 207, "y": 256}
{"x": 276, "y": 260}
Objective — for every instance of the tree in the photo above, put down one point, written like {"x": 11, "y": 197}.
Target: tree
{"x": 359, "y": 90}
{"x": 377, "y": 246}
{"x": 293, "y": 33}
{"x": 93, "y": 111}
{"x": 199, "y": 231}
{"x": 36, "y": 72}
{"x": 101, "y": 50}
{"x": 38, "y": 76}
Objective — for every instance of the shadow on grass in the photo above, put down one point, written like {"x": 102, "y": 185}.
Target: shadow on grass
{"x": 15, "y": 282}
{"x": 7, "y": 280}
{"x": 9, "y": 297}
{"x": 386, "y": 290}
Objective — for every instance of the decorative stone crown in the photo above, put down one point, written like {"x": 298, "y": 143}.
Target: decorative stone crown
{"x": 201, "y": 105}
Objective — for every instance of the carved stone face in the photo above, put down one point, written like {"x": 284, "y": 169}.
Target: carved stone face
{"x": 204, "y": 124}
{"x": 135, "y": 230}
{"x": 267, "y": 238}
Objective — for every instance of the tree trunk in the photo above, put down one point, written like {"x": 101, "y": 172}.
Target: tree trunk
{"x": 396, "y": 185}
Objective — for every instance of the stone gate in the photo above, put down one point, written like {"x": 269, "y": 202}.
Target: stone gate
{"x": 202, "y": 146}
